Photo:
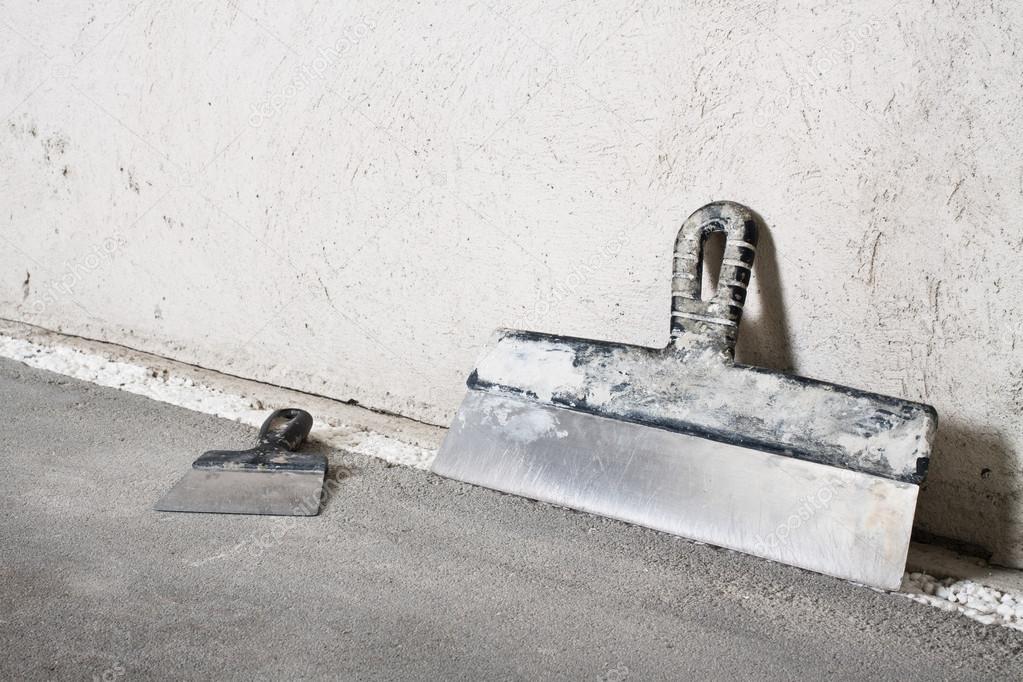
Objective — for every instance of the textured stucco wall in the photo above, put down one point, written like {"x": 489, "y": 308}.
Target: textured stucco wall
{"x": 348, "y": 200}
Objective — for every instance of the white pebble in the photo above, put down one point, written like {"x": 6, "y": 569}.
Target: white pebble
{"x": 984, "y": 604}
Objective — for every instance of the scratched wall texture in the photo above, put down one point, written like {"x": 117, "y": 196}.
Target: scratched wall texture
{"x": 348, "y": 200}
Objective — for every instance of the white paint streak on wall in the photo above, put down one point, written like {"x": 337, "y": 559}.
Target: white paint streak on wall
{"x": 456, "y": 168}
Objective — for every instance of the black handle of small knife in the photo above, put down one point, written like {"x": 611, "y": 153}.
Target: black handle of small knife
{"x": 287, "y": 428}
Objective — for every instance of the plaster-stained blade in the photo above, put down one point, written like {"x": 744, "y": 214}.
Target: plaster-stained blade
{"x": 814, "y": 516}
{"x": 686, "y": 441}
{"x": 268, "y": 479}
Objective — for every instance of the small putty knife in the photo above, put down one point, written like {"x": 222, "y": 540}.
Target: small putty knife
{"x": 268, "y": 479}
{"x": 685, "y": 440}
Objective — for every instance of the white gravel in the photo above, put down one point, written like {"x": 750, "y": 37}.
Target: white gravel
{"x": 971, "y": 599}
{"x": 983, "y": 604}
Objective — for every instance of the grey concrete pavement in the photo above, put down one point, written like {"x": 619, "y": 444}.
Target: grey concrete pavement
{"x": 403, "y": 575}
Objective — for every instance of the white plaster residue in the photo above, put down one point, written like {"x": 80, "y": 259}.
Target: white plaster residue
{"x": 599, "y": 395}
{"x": 530, "y": 425}
{"x": 983, "y": 604}
{"x": 523, "y": 424}
{"x": 701, "y": 389}
{"x": 185, "y": 392}
{"x": 381, "y": 446}
{"x": 546, "y": 368}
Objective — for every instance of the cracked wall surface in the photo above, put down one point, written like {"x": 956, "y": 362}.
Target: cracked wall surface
{"x": 349, "y": 200}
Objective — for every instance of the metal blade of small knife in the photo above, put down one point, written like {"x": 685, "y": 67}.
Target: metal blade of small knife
{"x": 280, "y": 493}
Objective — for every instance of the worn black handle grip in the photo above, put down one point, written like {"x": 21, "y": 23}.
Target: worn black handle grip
{"x": 287, "y": 428}
{"x": 713, "y": 323}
